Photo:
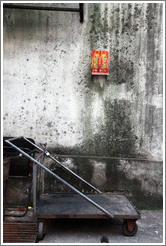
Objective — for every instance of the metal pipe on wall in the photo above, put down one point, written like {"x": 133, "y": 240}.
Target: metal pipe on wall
{"x": 30, "y": 7}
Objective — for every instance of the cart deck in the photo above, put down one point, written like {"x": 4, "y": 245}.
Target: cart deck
{"x": 70, "y": 205}
{"x": 78, "y": 204}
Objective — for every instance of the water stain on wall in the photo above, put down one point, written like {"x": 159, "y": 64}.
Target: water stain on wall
{"x": 116, "y": 137}
{"x": 51, "y": 54}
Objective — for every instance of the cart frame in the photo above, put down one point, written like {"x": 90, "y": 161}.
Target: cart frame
{"x": 129, "y": 226}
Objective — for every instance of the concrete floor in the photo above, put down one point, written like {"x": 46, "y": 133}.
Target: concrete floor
{"x": 150, "y": 230}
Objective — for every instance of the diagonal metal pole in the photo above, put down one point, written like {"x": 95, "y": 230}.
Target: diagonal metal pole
{"x": 61, "y": 180}
{"x": 61, "y": 165}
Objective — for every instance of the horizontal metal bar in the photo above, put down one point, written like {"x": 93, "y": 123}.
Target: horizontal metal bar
{"x": 12, "y": 139}
{"x": 61, "y": 165}
{"x": 16, "y": 6}
{"x": 61, "y": 180}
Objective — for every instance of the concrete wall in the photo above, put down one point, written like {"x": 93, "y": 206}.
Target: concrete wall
{"x": 50, "y": 95}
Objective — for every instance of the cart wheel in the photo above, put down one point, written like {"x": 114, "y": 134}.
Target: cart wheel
{"x": 129, "y": 228}
{"x": 40, "y": 231}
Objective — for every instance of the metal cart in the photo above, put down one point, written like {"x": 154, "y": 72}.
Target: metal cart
{"x": 95, "y": 205}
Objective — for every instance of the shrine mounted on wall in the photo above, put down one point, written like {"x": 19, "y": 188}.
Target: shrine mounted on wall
{"x": 99, "y": 63}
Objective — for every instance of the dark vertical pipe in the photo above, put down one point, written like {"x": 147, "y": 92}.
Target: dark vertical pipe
{"x": 81, "y": 5}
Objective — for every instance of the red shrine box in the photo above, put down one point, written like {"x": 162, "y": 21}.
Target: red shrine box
{"x": 99, "y": 63}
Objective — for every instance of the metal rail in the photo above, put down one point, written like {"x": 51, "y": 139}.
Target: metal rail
{"x": 61, "y": 165}
{"x": 30, "y": 7}
{"x": 60, "y": 179}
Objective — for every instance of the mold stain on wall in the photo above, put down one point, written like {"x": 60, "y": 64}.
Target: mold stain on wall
{"x": 118, "y": 28}
{"x": 48, "y": 85}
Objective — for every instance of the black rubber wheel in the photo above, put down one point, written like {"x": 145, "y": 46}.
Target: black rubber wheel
{"x": 128, "y": 233}
{"x": 104, "y": 239}
{"x": 40, "y": 231}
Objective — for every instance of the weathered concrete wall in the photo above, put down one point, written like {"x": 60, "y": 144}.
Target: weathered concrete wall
{"x": 49, "y": 94}
{"x": 140, "y": 180}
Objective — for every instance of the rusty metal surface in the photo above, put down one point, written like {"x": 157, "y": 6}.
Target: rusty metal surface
{"x": 19, "y": 232}
{"x": 6, "y": 166}
{"x": 65, "y": 205}
{"x": 28, "y": 218}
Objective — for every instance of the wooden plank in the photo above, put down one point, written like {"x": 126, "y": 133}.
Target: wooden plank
{"x": 19, "y": 232}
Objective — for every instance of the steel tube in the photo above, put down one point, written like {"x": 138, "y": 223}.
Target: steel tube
{"x": 12, "y": 139}
{"x": 61, "y": 180}
{"x": 34, "y": 144}
{"x": 34, "y": 190}
{"x": 61, "y": 165}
